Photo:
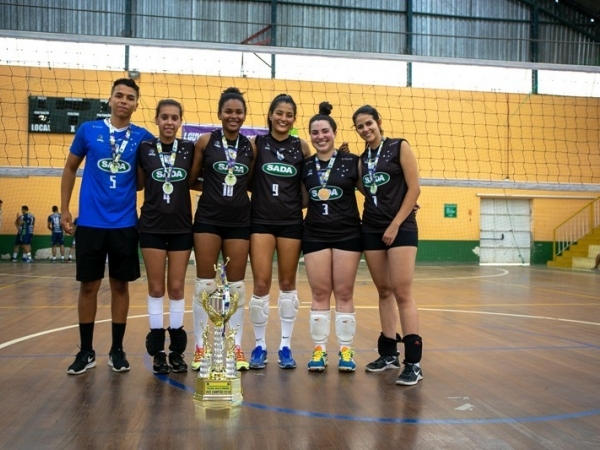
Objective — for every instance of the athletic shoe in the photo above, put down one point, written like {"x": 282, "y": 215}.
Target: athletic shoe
{"x": 318, "y": 361}
{"x": 410, "y": 375}
{"x": 160, "y": 363}
{"x": 258, "y": 358}
{"x": 28, "y": 260}
{"x": 382, "y": 363}
{"x": 346, "y": 363}
{"x": 118, "y": 361}
{"x": 85, "y": 359}
{"x": 286, "y": 361}
{"x": 13, "y": 259}
{"x": 240, "y": 360}
{"x": 177, "y": 363}
{"x": 198, "y": 355}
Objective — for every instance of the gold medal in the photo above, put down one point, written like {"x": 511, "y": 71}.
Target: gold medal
{"x": 167, "y": 188}
{"x": 114, "y": 167}
{"x": 373, "y": 189}
{"x": 324, "y": 194}
{"x": 230, "y": 179}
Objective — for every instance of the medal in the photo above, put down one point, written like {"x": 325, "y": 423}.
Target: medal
{"x": 114, "y": 167}
{"x": 230, "y": 179}
{"x": 167, "y": 163}
{"x": 372, "y": 167}
{"x": 117, "y": 150}
{"x": 373, "y": 188}
{"x": 167, "y": 188}
{"x": 324, "y": 194}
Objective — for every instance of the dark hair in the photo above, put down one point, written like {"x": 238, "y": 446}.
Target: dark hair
{"x": 368, "y": 110}
{"x": 325, "y": 109}
{"x": 25, "y": 207}
{"x": 126, "y": 82}
{"x": 55, "y": 209}
{"x": 231, "y": 93}
{"x": 281, "y": 98}
{"x": 169, "y": 102}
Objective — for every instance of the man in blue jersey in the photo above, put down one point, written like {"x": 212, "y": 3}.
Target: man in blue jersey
{"x": 106, "y": 225}
{"x": 57, "y": 239}
{"x": 25, "y": 224}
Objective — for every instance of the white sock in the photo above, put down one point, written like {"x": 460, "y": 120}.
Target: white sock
{"x": 176, "y": 312}
{"x": 155, "y": 312}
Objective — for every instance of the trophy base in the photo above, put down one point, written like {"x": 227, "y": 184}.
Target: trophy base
{"x": 218, "y": 393}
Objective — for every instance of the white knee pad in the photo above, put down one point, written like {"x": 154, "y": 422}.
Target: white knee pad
{"x": 345, "y": 327}
{"x": 259, "y": 310}
{"x": 320, "y": 323}
{"x": 288, "y": 306}
{"x": 240, "y": 288}
{"x": 207, "y": 285}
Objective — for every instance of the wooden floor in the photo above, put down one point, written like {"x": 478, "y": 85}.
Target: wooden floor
{"x": 511, "y": 361}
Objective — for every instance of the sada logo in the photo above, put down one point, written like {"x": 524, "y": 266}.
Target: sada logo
{"x": 122, "y": 166}
{"x": 279, "y": 169}
{"x": 238, "y": 169}
{"x": 176, "y": 175}
{"x": 334, "y": 193}
{"x": 380, "y": 178}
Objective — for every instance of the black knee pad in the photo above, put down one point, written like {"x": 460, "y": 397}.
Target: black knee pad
{"x": 155, "y": 341}
{"x": 178, "y": 340}
{"x": 413, "y": 348}
{"x": 387, "y": 346}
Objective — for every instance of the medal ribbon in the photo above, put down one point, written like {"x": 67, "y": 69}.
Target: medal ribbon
{"x": 230, "y": 153}
{"x": 372, "y": 162}
{"x": 117, "y": 151}
{"x": 323, "y": 177}
{"x": 170, "y": 160}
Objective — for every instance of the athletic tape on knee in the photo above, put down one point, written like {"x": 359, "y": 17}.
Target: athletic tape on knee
{"x": 345, "y": 327}
{"x": 288, "y": 305}
{"x": 413, "y": 348}
{"x": 320, "y": 323}
{"x": 201, "y": 285}
{"x": 259, "y": 310}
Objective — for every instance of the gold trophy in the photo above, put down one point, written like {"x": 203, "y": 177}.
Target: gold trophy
{"x": 218, "y": 383}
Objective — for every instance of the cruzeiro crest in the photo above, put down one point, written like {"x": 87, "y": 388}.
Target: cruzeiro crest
{"x": 122, "y": 166}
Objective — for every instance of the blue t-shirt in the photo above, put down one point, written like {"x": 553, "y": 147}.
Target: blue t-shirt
{"x": 54, "y": 221}
{"x": 27, "y": 224}
{"x": 106, "y": 199}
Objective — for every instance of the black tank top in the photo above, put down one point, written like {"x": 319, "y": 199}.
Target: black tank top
{"x": 220, "y": 204}
{"x": 157, "y": 214}
{"x": 276, "y": 194}
{"x": 391, "y": 190}
{"x": 337, "y": 218}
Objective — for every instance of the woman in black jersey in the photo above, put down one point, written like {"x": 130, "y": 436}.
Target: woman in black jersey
{"x": 276, "y": 225}
{"x": 165, "y": 227}
{"x": 331, "y": 240}
{"x": 390, "y": 239}
{"x": 225, "y": 160}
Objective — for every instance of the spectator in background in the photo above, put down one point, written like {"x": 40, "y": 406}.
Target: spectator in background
{"x": 25, "y": 224}
{"x": 58, "y": 237}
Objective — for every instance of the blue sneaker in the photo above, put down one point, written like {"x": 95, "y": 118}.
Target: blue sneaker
{"x": 258, "y": 358}
{"x": 318, "y": 360}
{"x": 346, "y": 363}
{"x": 286, "y": 361}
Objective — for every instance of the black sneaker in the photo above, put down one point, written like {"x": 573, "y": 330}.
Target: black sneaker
{"x": 410, "y": 375}
{"x": 118, "y": 361}
{"x": 85, "y": 359}
{"x": 382, "y": 363}
{"x": 160, "y": 363}
{"x": 177, "y": 363}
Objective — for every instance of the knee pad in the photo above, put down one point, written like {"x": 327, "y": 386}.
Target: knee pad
{"x": 155, "y": 341}
{"x": 201, "y": 285}
{"x": 288, "y": 306}
{"x": 387, "y": 346}
{"x": 413, "y": 348}
{"x": 320, "y": 326}
{"x": 345, "y": 327}
{"x": 240, "y": 288}
{"x": 178, "y": 340}
{"x": 259, "y": 310}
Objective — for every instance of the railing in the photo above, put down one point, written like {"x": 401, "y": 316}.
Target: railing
{"x": 576, "y": 227}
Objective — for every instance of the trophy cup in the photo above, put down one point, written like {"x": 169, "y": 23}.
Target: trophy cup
{"x": 218, "y": 383}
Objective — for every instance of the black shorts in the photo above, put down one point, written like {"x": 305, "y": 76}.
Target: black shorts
{"x": 57, "y": 238}
{"x": 23, "y": 239}
{"x": 222, "y": 231}
{"x": 373, "y": 241}
{"x": 283, "y": 231}
{"x": 169, "y": 242}
{"x": 350, "y": 245}
{"x": 94, "y": 245}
